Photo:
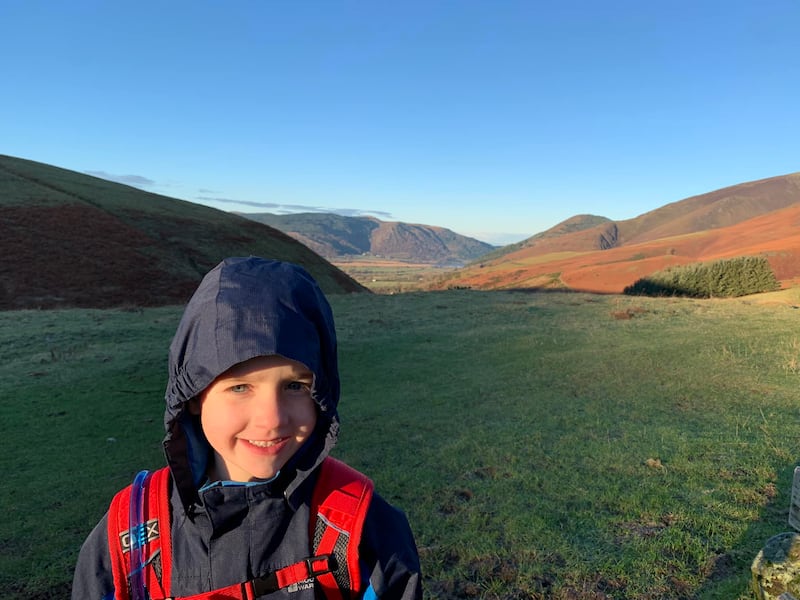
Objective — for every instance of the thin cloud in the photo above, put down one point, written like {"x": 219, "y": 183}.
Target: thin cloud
{"x": 288, "y": 209}
{"x": 135, "y": 180}
{"x": 357, "y": 212}
{"x": 241, "y": 202}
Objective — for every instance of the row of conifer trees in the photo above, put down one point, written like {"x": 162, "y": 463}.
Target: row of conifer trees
{"x": 718, "y": 279}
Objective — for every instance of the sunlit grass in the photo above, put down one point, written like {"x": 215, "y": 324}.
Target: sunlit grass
{"x": 545, "y": 445}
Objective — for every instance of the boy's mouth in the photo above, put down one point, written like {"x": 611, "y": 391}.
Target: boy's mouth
{"x": 266, "y": 444}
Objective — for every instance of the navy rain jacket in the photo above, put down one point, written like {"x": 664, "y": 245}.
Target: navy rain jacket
{"x": 226, "y": 534}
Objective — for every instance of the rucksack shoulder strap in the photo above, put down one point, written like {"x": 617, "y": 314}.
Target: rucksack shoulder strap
{"x": 140, "y": 540}
{"x": 139, "y": 537}
{"x": 340, "y": 502}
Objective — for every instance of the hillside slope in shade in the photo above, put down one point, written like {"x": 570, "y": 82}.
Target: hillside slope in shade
{"x": 76, "y": 240}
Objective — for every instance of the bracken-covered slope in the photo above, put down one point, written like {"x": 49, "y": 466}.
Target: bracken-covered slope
{"x": 559, "y": 233}
{"x": 758, "y": 218}
{"x": 336, "y": 236}
{"x": 69, "y": 239}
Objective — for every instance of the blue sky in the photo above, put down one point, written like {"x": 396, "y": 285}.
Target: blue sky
{"x": 497, "y": 119}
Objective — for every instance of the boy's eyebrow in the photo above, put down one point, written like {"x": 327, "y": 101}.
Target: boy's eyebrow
{"x": 303, "y": 374}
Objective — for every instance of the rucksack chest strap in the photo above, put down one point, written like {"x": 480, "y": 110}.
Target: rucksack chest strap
{"x": 296, "y": 573}
{"x": 266, "y": 584}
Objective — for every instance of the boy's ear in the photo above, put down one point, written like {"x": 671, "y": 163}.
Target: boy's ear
{"x": 194, "y": 406}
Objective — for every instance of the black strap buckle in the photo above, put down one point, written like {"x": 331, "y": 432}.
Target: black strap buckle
{"x": 315, "y": 565}
{"x": 266, "y": 584}
{"x": 329, "y": 561}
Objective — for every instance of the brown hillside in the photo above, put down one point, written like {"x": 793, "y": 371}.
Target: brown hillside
{"x": 721, "y": 208}
{"x": 765, "y": 217}
{"x": 405, "y": 242}
{"x": 775, "y": 236}
{"x": 340, "y": 238}
{"x": 74, "y": 240}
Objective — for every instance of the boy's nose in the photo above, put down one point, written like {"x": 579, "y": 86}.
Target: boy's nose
{"x": 268, "y": 411}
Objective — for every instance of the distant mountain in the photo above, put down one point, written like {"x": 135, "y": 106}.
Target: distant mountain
{"x": 574, "y": 224}
{"x": 70, "y": 239}
{"x": 335, "y": 236}
{"x": 597, "y": 254}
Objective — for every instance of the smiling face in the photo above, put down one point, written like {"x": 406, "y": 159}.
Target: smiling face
{"x": 255, "y": 416}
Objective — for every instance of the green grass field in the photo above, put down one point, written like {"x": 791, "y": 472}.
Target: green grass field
{"x": 546, "y": 445}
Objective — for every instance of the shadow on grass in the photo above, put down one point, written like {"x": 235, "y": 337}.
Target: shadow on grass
{"x": 729, "y": 575}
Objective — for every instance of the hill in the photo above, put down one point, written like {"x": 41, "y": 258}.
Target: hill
{"x": 574, "y": 224}
{"x": 757, "y": 218}
{"x": 75, "y": 240}
{"x": 335, "y": 237}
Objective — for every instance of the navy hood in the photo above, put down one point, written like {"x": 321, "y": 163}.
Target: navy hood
{"x": 244, "y": 308}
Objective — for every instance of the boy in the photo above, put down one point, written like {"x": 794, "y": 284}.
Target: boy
{"x": 250, "y": 418}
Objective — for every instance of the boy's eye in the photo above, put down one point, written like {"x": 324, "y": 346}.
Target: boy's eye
{"x": 238, "y": 388}
{"x": 298, "y": 386}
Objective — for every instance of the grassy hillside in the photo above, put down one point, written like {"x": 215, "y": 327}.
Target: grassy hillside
{"x": 77, "y": 240}
{"x": 545, "y": 446}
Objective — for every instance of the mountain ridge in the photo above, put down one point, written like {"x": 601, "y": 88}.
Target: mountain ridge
{"x": 336, "y": 236}
{"x": 78, "y": 240}
{"x": 610, "y": 255}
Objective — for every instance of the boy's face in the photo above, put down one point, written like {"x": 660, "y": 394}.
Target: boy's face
{"x": 255, "y": 416}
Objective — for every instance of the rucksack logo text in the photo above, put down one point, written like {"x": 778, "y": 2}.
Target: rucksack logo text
{"x": 139, "y": 536}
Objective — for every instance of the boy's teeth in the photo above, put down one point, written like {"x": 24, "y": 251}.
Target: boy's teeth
{"x": 261, "y": 444}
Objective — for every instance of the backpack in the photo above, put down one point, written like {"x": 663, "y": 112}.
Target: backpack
{"x": 141, "y": 545}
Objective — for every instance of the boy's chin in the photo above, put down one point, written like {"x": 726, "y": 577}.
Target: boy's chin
{"x": 243, "y": 474}
{"x": 264, "y": 475}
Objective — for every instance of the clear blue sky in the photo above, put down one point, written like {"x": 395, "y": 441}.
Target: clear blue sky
{"x": 489, "y": 117}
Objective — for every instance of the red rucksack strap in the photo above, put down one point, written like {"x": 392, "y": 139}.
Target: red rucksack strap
{"x": 340, "y": 501}
{"x": 139, "y": 537}
{"x": 141, "y": 553}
